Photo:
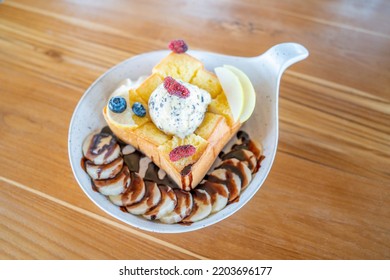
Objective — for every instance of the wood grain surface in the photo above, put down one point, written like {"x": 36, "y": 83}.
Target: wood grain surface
{"x": 328, "y": 193}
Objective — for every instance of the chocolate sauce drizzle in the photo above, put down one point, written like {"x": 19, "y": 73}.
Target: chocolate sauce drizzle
{"x": 244, "y": 150}
{"x": 133, "y": 160}
{"x": 95, "y": 150}
{"x": 238, "y": 151}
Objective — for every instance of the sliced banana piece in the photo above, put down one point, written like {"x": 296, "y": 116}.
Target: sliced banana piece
{"x": 116, "y": 199}
{"x": 231, "y": 180}
{"x": 135, "y": 192}
{"x": 116, "y": 185}
{"x": 104, "y": 171}
{"x": 151, "y": 199}
{"x": 167, "y": 204}
{"x": 245, "y": 156}
{"x": 219, "y": 194}
{"x": 183, "y": 208}
{"x": 128, "y": 149}
{"x": 101, "y": 148}
{"x": 238, "y": 168}
{"x": 201, "y": 208}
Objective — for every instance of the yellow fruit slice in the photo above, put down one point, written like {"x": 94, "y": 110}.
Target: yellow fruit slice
{"x": 124, "y": 119}
{"x": 232, "y": 88}
{"x": 249, "y": 93}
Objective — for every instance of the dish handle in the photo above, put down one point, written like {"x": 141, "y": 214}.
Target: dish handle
{"x": 281, "y": 56}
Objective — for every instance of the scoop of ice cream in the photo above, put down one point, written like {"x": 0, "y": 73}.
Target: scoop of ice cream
{"x": 175, "y": 114}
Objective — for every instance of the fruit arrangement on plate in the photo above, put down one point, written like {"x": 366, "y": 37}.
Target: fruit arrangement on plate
{"x": 164, "y": 134}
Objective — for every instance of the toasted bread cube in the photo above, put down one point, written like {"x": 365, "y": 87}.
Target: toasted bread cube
{"x": 212, "y": 127}
{"x": 149, "y": 137}
{"x": 151, "y": 133}
{"x": 220, "y": 106}
{"x": 178, "y": 66}
{"x": 207, "y": 81}
{"x": 198, "y": 142}
{"x": 146, "y": 88}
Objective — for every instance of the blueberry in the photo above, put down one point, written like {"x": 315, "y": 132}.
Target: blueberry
{"x": 139, "y": 109}
{"x": 117, "y": 104}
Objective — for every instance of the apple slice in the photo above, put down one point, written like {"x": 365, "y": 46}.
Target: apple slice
{"x": 249, "y": 93}
{"x": 231, "y": 85}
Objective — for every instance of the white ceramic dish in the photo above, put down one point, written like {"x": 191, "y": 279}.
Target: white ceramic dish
{"x": 264, "y": 71}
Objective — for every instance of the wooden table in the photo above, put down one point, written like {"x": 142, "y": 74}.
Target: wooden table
{"x": 328, "y": 193}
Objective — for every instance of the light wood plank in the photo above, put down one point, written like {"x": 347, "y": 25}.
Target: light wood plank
{"x": 356, "y": 15}
{"x": 34, "y": 227}
{"x": 231, "y": 26}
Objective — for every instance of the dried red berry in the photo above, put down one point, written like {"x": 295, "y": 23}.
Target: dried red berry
{"x": 175, "y": 88}
{"x": 182, "y": 152}
{"x": 178, "y": 46}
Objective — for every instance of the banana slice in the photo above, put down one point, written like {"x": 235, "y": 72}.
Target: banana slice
{"x": 231, "y": 180}
{"x": 166, "y": 205}
{"x": 152, "y": 198}
{"x": 104, "y": 171}
{"x": 135, "y": 192}
{"x": 101, "y": 148}
{"x": 219, "y": 194}
{"x": 238, "y": 168}
{"x": 183, "y": 208}
{"x": 127, "y": 150}
{"x": 245, "y": 156}
{"x": 116, "y": 199}
{"x": 201, "y": 208}
{"x": 116, "y": 185}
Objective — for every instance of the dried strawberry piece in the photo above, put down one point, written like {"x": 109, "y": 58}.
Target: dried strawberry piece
{"x": 178, "y": 46}
{"x": 182, "y": 152}
{"x": 175, "y": 88}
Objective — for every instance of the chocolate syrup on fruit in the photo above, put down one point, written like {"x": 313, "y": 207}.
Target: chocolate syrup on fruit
{"x": 94, "y": 188}
{"x": 148, "y": 192}
{"x": 244, "y": 150}
{"x": 183, "y": 198}
{"x": 151, "y": 174}
{"x": 186, "y": 173}
{"x": 82, "y": 163}
{"x": 133, "y": 160}
{"x": 238, "y": 170}
{"x": 134, "y": 190}
{"x": 213, "y": 189}
{"x": 229, "y": 182}
{"x": 238, "y": 151}
{"x": 96, "y": 148}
